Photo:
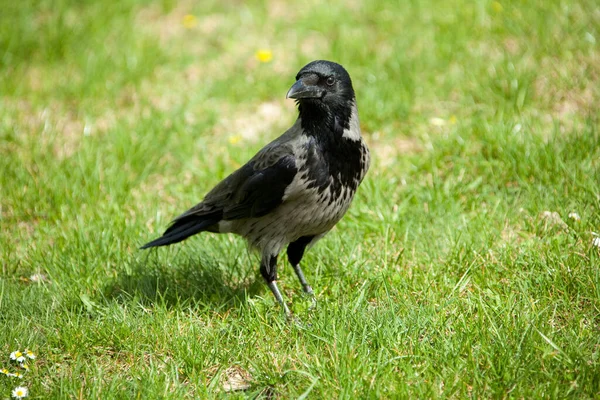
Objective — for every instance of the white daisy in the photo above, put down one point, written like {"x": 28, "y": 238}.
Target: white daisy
{"x": 596, "y": 242}
{"x": 30, "y": 354}
{"x": 20, "y": 392}
{"x": 17, "y": 356}
{"x": 574, "y": 216}
{"x": 435, "y": 121}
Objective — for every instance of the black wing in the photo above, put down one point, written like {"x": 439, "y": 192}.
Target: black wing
{"x": 252, "y": 191}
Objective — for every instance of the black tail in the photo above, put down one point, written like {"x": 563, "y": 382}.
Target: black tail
{"x": 182, "y": 229}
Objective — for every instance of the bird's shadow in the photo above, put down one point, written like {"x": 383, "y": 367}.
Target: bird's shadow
{"x": 197, "y": 279}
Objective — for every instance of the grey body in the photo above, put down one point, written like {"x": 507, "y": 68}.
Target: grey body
{"x": 304, "y": 211}
{"x": 295, "y": 189}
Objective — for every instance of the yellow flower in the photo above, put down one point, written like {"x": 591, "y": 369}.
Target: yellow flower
{"x": 497, "y": 7}
{"x": 189, "y": 21}
{"x": 235, "y": 139}
{"x": 264, "y": 55}
{"x": 452, "y": 119}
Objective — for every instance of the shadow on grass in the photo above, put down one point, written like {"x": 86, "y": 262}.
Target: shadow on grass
{"x": 193, "y": 280}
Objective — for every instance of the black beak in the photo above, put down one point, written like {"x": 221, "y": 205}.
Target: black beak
{"x": 300, "y": 90}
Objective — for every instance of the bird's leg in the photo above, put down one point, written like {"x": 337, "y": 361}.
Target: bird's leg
{"x": 268, "y": 269}
{"x": 295, "y": 252}
{"x": 273, "y": 286}
{"x": 307, "y": 288}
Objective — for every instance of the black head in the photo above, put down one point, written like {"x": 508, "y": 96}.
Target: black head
{"x": 322, "y": 83}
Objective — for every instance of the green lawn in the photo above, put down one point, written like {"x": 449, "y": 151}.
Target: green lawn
{"x": 460, "y": 270}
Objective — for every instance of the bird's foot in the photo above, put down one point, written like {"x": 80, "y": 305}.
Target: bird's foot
{"x": 308, "y": 291}
{"x": 293, "y": 320}
{"x": 313, "y": 302}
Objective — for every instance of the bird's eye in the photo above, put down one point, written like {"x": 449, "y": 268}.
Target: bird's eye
{"x": 330, "y": 81}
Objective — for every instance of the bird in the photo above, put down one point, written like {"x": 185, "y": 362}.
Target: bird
{"x": 297, "y": 187}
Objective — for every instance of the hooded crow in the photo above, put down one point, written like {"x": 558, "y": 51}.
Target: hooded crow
{"x": 294, "y": 190}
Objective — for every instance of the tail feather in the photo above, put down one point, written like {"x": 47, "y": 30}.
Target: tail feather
{"x": 180, "y": 230}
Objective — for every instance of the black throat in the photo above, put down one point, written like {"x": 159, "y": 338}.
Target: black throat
{"x": 325, "y": 121}
{"x": 330, "y": 153}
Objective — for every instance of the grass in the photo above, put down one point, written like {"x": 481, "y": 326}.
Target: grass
{"x": 457, "y": 272}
